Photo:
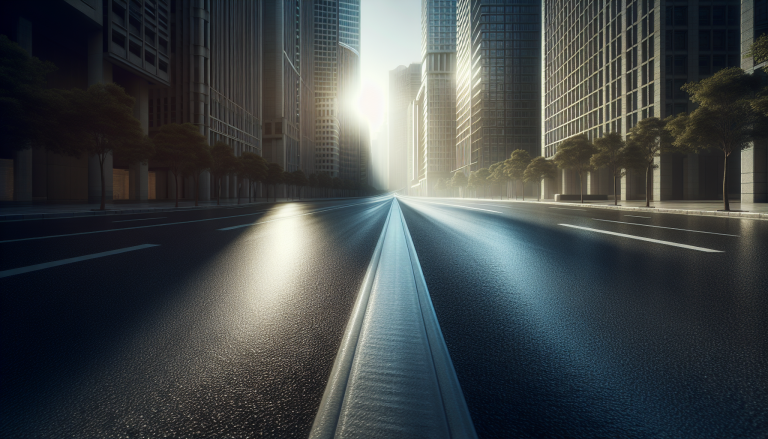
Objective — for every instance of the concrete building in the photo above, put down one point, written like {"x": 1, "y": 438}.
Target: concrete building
{"x": 337, "y": 33}
{"x": 404, "y": 84}
{"x": 216, "y": 84}
{"x": 89, "y": 41}
{"x": 754, "y": 160}
{"x": 436, "y": 149}
{"x": 350, "y": 140}
{"x": 608, "y": 65}
{"x": 498, "y": 81}
{"x": 288, "y": 84}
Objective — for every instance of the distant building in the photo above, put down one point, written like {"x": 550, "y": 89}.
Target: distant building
{"x": 350, "y": 141}
{"x": 608, "y": 65}
{"x": 498, "y": 81}
{"x": 288, "y": 84}
{"x": 437, "y": 142}
{"x": 404, "y": 83}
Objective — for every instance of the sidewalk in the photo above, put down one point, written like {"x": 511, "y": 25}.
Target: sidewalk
{"x": 681, "y": 207}
{"x": 48, "y": 211}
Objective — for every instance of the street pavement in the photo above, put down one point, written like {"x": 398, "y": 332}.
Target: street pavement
{"x": 559, "y": 329}
{"x": 560, "y": 321}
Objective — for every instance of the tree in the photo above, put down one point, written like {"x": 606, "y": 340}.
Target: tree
{"x": 575, "y": 153}
{"x": 646, "y": 141}
{"x": 539, "y": 169}
{"x": 198, "y": 160}
{"x": 313, "y": 183}
{"x": 515, "y": 167}
{"x": 274, "y": 177}
{"x": 336, "y": 183}
{"x": 99, "y": 122}
{"x": 325, "y": 181}
{"x": 441, "y": 185}
{"x": 758, "y": 51}
{"x": 483, "y": 178}
{"x": 289, "y": 183}
{"x": 610, "y": 153}
{"x": 300, "y": 180}
{"x": 179, "y": 146}
{"x": 498, "y": 175}
{"x": 254, "y": 168}
{"x": 725, "y": 119}
{"x": 223, "y": 162}
{"x": 459, "y": 180}
{"x": 27, "y": 109}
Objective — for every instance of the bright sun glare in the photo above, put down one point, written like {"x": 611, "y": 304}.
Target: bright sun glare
{"x": 370, "y": 104}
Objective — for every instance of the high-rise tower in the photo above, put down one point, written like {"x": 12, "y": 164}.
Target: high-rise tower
{"x": 404, "y": 83}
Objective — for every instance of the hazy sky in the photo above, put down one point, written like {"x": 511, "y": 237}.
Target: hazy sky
{"x": 391, "y": 36}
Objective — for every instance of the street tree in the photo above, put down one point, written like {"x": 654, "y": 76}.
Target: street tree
{"x": 459, "y": 181}
{"x": 515, "y": 167}
{"x": 499, "y": 176}
{"x": 441, "y": 185}
{"x": 336, "y": 184}
{"x": 274, "y": 177}
{"x": 223, "y": 163}
{"x": 484, "y": 178}
{"x": 198, "y": 160}
{"x": 537, "y": 170}
{"x": 300, "y": 180}
{"x": 253, "y": 168}
{"x": 288, "y": 182}
{"x": 575, "y": 153}
{"x": 325, "y": 181}
{"x": 610, "y": 153}
{"x": 179, "y": 146}
{"x": 646, "y": 141}
{"x": 725, "y": 119}
{"x": 313, "y": 183}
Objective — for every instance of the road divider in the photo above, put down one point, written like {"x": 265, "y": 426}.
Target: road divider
{"x": 140, "y": 219}
{"x": 640, "y": 238}
{"x": 31, "y": 268}
{"x": 662, "y": 227}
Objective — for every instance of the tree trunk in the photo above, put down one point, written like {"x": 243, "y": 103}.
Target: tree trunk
{"x": 197, "y": 188}
{"x": 239, "y": 187}
{"x": 581, "y": 189}
{"x": 523, "y": 190}
{"x": 726, "y": 203}
{"x": 176, "y": 180}
{"x": 648, "y": 185}
{"x": 218, "y": 190}
{"x": 103, "y": 184}
{"x": 615, "y": 192}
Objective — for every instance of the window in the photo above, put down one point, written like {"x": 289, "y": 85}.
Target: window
{"x": 681, "y": 15}
{"x": 162, "y": 65}
{"x": 704, "y": 68}
{"x": 681, "y": 64}
{"x": 718, "y": 15}
{"x": 118, "y": 39}
{"x": 681, "y": 40}
{"x": 134, "y": 48}
{"x": 704, "y": 40}
{"x": 718, "y": 40}
{"x": 679, "y": 93}
{"x": 704, "y": 16}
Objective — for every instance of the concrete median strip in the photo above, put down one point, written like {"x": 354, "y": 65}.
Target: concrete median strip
{"x": 393, "y": 376}
{"x": 640, "y": 238}
{"x": 30, "y": 268}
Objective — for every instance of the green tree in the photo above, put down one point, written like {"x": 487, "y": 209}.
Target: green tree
{"x": 253, "y": 168}
{"x": 758, "y": 51}
{"x": 459, "y": 181}
{"x": 28, "y": 110}
{"x": 274, "y": 177}
{"x": 99, "y": 122}
{"x": 575, "y": 153}
{"x": 515, "y": 167}
{"x": 724, "y": 120}
{"x": 441, "y": 185}
{"x": 223, "y": 162}
{"x": 610, "y": 153}
{"x": 646, "y": 141}
{"x": 484, "y": 178}
{"x": 539, "y": 169}
{"x": 180, "y": 146}
{"x": 198, "y": 160}
{"x": 498, "y": 175}
{"x": 300, "y": 180}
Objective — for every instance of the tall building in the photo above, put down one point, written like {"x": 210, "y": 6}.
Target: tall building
{"x": 90, "y": 42}
{"x": 350, "y": 154}
{"x": 754, "y": 160}
{"x": 437, "y": 142}
{"x": 288, "y": 87}
{"x": 498, "y": 81}
{"x": 336, "y": 26}
{"x": 608, "y": 65}
{"x": 216, "y": 84}
{"x": 404, "y": 84}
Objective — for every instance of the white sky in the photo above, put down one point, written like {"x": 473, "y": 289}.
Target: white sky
{"x": 391, "y": 36}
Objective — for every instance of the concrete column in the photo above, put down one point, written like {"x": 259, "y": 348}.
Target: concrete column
{"x": 625, "y": 190}
{"x": 204, "y": 186}
{"x": 754, "y": 174}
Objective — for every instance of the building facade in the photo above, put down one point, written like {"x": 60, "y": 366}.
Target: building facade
{"x": 608, "y": 65}
{"x": 436, "y": 149}
{"x": 404, "y": 84}
{"x": 498, "y": 81}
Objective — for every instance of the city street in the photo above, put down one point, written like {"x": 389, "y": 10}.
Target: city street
{"x": 560, "y": 321}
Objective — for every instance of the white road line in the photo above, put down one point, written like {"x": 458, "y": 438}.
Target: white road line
{"x": 635, "y": 216}
{"x": 140, "y": 219}
{"x": 661, "y": 227}
{"x": 290, "y": 216}
{"x": 566, "y": 208}
{"x": 463, "y": 207}
{"x": 36, "y": 267}
{"x": 138, "y": 227}
{"x": 639, "y": 238}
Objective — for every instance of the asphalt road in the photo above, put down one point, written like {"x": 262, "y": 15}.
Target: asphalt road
{"x": 190, "y": 331}
{"x": 558, "y": 331}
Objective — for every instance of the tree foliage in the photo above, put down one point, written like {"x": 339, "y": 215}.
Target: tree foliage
{"x": 181, "y": 147}
{"x": 459, "y": 180}
{"x": 538, "y": 169}
{"x": 515, "y": 166}
{"x": 274, "y": 177}
{"x": 575, "y": 153}
{"x": 646, "y": 141}
{"x": 223, "y": 162}
{"x": 252, "y": 167}
{"x": 758, "y": 51}
{"x": 611, "y": 153}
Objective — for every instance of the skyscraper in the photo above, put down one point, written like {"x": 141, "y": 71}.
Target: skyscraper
{"x": 404, "y": 83}
{"x": 498, "y": 81}
{"x": 610, "y": 64}
{"x": 437, "y": 142}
